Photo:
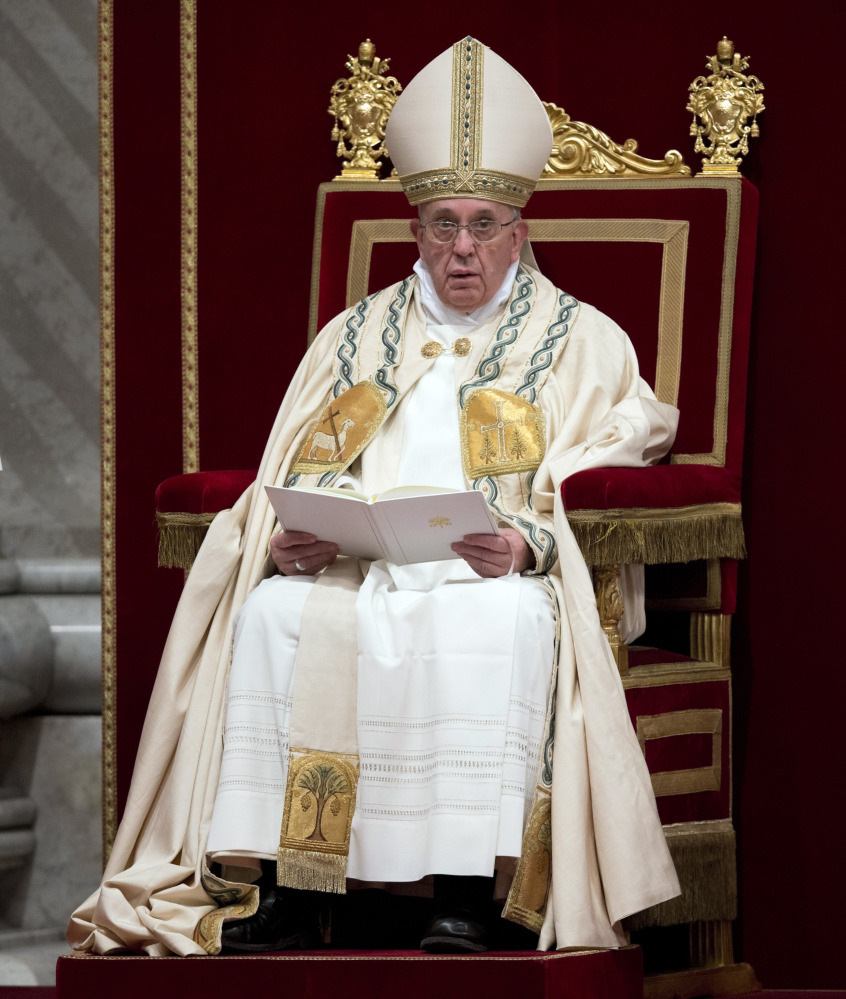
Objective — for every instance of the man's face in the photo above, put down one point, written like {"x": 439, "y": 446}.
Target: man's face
{"x": 467, "y": 274}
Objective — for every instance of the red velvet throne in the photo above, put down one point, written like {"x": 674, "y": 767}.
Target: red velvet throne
{"x": 670, "y": 257}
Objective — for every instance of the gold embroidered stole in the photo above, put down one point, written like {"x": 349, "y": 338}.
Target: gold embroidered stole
{"x": 323, "y": 760}
{"x": 370, "y": 341}
{"x": 503, "y": 442}
{"x": 503, "y": 438}
{"x": 321, "y": 789}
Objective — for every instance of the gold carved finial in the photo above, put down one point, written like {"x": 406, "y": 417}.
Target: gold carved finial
{"x": 360, "y": 106}
{"x": 724, "y": 101}
{"x": 580, "y": 150}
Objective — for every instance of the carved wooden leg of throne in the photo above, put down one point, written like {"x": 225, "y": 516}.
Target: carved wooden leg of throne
{"x": 711, "y": 944}
{"x": 710, "y": 637}
{"x": 609, "y": 601}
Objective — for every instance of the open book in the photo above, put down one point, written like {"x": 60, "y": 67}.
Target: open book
{"x": 403, "y": 525}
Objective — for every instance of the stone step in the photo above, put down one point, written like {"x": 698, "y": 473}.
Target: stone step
{"x": 16, "y": 810}
{"x": 16, "y": 847}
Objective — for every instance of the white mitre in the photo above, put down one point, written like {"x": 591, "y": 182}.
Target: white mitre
{"x": 468, "y": 126}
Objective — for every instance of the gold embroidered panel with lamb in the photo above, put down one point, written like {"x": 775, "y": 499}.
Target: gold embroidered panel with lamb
{"x": 500, "y": 433}
{"x": 345, "y": 427}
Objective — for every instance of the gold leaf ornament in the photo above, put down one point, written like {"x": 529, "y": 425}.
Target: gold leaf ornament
{"x": 460, "y": 348}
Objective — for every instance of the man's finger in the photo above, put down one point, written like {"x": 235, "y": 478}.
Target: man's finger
{"x": 285, "y": 539}
{"x": 494, "y": 542}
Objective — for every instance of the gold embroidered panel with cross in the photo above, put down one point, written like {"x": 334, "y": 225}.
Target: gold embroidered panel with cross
{"x": 500, "y": 433}
{"x": 345, "y": 427}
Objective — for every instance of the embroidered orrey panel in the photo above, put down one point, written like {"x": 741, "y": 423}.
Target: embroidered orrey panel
{"x": 519, "y": 309}
{"x": 391, "y": 340}
{"x": 541, "y": 541}
{"x": 348, "y": 347}
{"x": 356, "y": 411}
{"x": 553, "y": 342}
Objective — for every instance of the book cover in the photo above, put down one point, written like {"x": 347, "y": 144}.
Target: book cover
{"x": 404, "y": 525}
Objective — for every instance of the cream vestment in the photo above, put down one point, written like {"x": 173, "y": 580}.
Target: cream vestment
{"x": 549, "y": 387}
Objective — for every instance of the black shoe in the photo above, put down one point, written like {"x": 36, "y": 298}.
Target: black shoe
{"x": 456, "y": 933}
{"x": 286, "y": 919}
{"x": 462, "y": 910}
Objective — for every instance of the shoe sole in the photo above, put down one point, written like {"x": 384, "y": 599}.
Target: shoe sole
{"x": 299, "y": 941}
{"x": 451, "y": 945}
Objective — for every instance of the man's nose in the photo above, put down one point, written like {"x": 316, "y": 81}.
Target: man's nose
{"x": 464, "y": 243}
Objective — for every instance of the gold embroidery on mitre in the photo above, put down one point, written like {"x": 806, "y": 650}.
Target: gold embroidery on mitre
{"x": 345, "y": 427}
{"x": 526, "y": 902}
{"x": 315, "y": 837}
{"x": 500, "y": 433}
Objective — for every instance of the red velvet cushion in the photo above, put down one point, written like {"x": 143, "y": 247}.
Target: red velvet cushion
{"x": 654, "y": 487}
{"x": 202, "y": 492}
{"x": 595, "y": 489}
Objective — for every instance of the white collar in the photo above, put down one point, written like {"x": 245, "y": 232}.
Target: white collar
{"x": 439, "y": 313}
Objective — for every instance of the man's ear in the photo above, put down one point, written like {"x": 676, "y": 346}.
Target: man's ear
{"x": 417, "y": 233}
{"x": 520, "y": 235}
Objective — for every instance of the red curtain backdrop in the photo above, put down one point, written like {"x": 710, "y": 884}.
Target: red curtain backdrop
{"x": 264, "y": 72}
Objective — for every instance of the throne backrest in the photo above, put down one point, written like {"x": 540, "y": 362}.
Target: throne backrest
{"x": 670, "y": 260}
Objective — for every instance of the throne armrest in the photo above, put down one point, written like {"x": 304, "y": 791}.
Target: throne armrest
{"x": 187, "y": 504}
{"x": 663, "y": 513}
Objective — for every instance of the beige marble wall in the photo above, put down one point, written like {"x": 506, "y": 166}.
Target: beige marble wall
{"x": 49, "y": 484}
{"x": 49, "y": 340}
{"x": 55, "y": 762}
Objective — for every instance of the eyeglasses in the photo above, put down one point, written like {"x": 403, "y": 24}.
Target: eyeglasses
{"x": 482, "y": 230}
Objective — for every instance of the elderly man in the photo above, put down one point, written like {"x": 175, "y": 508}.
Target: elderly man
{"x": 467, "y": 247}
{"x": 394, "y": 724}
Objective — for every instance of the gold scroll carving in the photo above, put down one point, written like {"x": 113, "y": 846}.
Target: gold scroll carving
{"x": 580, "y": 150}
{"x": 609, "y": 603}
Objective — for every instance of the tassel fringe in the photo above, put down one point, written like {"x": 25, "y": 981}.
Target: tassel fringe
{"x": 658, "y": 536}
{"x": 705, "y": 864}
{"x": 180, "y": 537}
{"x": 312, "y": 871}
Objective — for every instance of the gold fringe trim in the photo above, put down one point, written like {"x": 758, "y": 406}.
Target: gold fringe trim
{"x": 704, "y": 855}
{"x": 312, "y": 871}
{"x": 604, "y": 539}
{"x": 619, "y": 537}
{"x": 180, "y": 537}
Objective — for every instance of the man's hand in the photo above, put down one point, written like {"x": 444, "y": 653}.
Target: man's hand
{"x": 297, "y": 553}
{"x": 491, "y": 555}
